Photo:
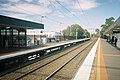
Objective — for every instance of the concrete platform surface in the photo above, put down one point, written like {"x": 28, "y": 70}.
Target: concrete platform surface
{"x": 106, "y": 64}
{"x": 16, "y": 50}
{"x": 84, "y": 71}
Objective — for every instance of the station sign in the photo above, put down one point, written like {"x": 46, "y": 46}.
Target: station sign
{"x": 34, "y": 31}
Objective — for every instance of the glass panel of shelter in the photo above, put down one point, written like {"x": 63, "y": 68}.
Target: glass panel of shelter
{"x": 12, "y": 38}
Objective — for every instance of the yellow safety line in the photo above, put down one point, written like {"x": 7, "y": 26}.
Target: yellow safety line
{"x": 100, "y": 72}
{"x": 111, "y": 54}
{"x": 104, "y": 75}
{"x": 98, "y": 63}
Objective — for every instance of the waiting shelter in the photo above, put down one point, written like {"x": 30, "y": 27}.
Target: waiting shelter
{"x": 114, "y": 30}
{"x": 13, "y": 32}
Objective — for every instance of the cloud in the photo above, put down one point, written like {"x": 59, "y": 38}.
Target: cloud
{"x": 4, "y": 5}
{"x": 31, "y": 9}
{"x": 19, "y": 16}
{"x": 29, "y": 0}
{"x": 58, "y": 14}
{"x": 26, "y": 8}
{"x": 73, "y": 13}
{"x": 13, "y": 0}
{"x": 114, "y": 0}
{"x": 64, "y": 1}
{"x": 44, "y": 2}
{"x": 86, "y": 4}
{"x": 33, "y": 18}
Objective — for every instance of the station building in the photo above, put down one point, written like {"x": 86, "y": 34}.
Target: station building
{"x": 53, "y": 36}
{"x": 35, "y": 37}
{"x": 19, "y": 33}
{"x": 114, "y": 30}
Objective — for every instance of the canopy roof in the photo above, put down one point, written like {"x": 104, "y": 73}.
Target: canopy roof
{"x": 115, "y": 27}
{"x": 18, "y": 23}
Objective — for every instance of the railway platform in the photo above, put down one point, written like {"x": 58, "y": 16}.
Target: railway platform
{"x": 101, "y": 63}
{"x": 12, "y": 61}
{"x": 105, "y": 65}
{"x": 16, "y": 50}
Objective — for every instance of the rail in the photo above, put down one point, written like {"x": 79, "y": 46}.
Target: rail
{"x": 21, "y": 58}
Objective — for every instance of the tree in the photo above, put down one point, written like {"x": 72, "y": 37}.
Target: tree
{"x": 108, "y": 23}
{"x": 73, "y": 29}
{"x": 86, "y": 33}
{"x": 97, "y": 32}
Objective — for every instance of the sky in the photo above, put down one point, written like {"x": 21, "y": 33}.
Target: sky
{"x": 57, "y": 15}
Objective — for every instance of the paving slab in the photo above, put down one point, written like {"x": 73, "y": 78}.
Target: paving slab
{"x": 106, "y": 64}
{"x": 108, "y": 48}
{"x": 112, "y": 60}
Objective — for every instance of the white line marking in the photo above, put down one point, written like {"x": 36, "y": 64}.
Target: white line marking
{"x": 85, "y": 69}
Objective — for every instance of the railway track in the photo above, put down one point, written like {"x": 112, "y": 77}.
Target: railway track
{"x": 68, "y": 67}
{"x": 40, "y": 65}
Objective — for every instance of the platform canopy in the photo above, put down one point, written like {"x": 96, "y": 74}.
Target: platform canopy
{"x": 6, "y": 22}
{"x": 115, "y": 27}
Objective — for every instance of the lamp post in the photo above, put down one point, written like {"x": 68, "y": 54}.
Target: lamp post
{"x": 42, "y": 18}
{"x": 60, "y": 27}
{"x": 76, "y": 33}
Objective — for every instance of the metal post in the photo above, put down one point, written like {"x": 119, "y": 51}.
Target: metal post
{"x": 60, "y": 27}
{"x": 34, "y": 39}
{"x": 25, "y": 38}
{"x": 5, "y": 33}
{"x": 42, "y": 18}
{"x": 0, "y": 33}
{"x": 60, "y": 32}
{"x": 6, "y": 39}
{"x": 76, "y": 34}
{"x": 0, "y": 38}
{"x": 18, "y": 38}
{"x": 12, "y": 37}
{"x": 70, "y": 31}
